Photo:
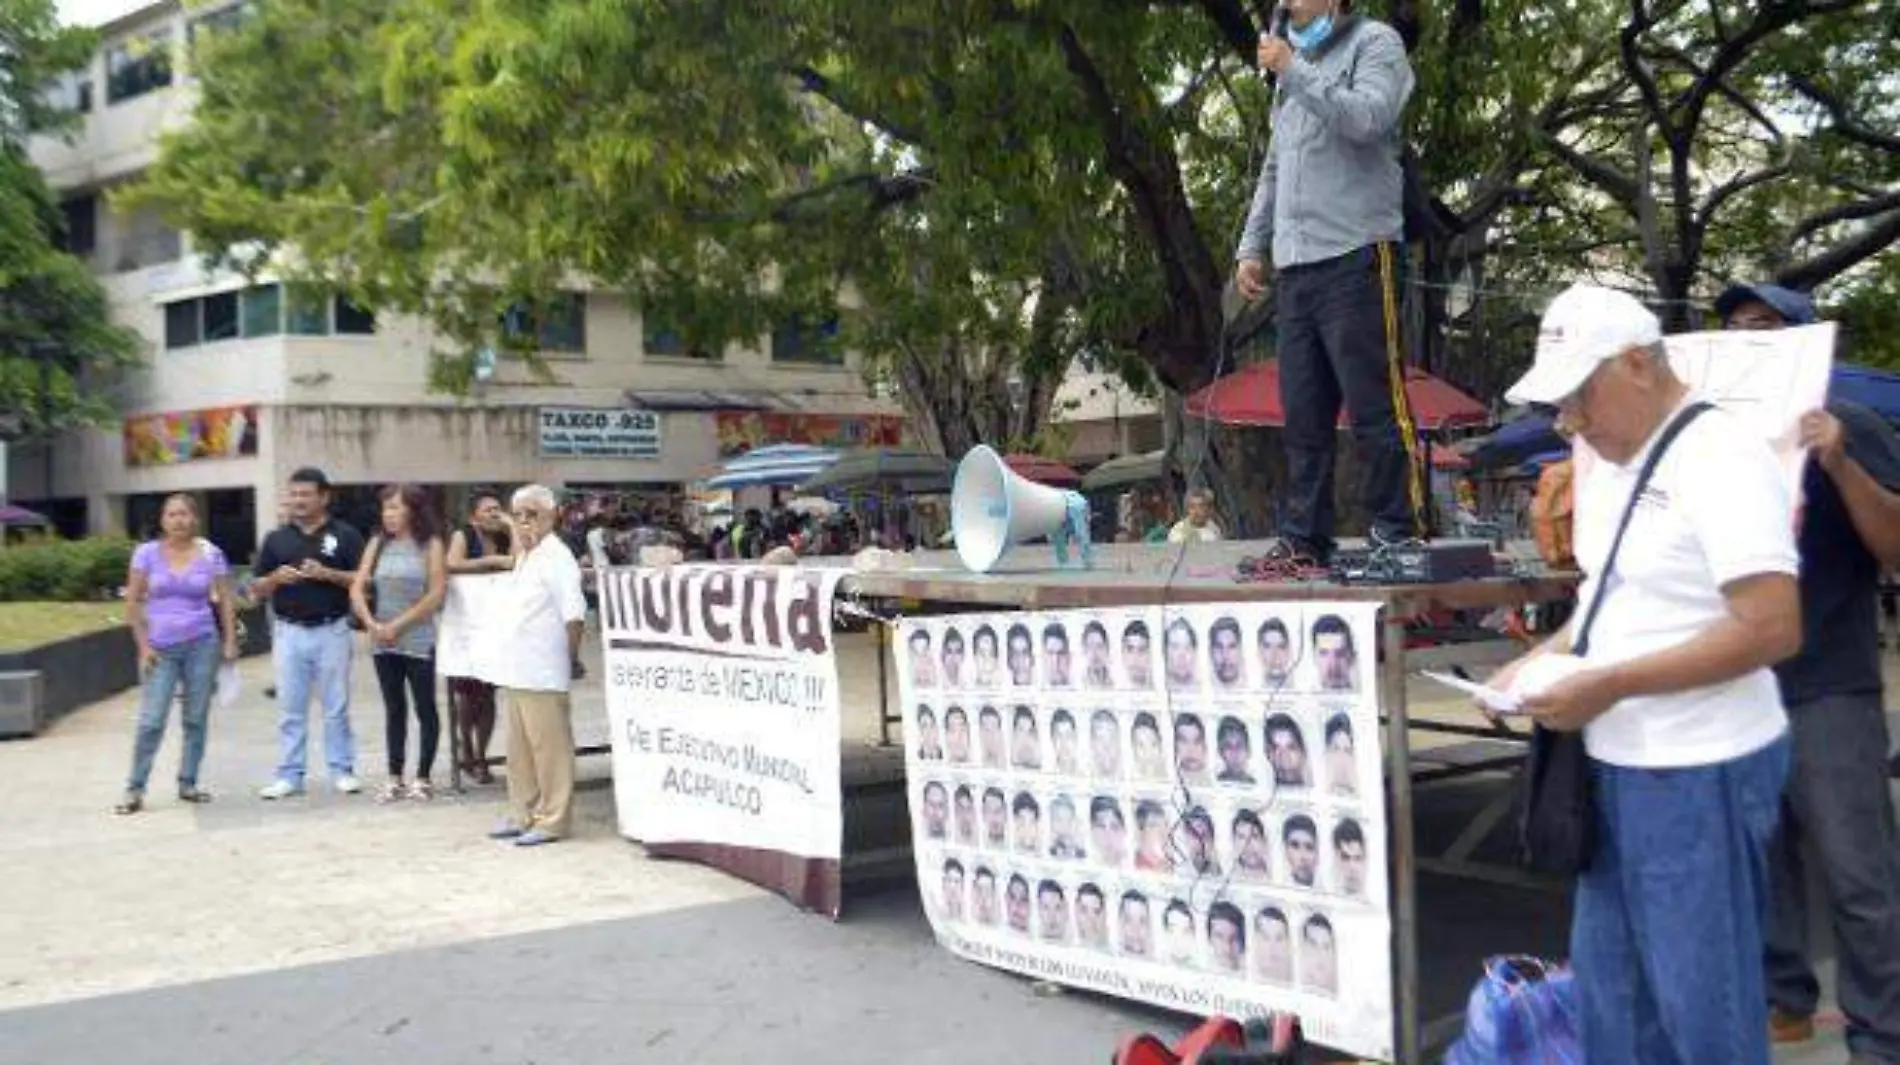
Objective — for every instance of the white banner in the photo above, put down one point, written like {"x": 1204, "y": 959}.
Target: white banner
{"x": 722, "y": 694}
{"x": 594, "y": 433}
{"x": 1181, "y": 806}
{"x": 458, "y": 645}
{"x": 1767, "y": 378}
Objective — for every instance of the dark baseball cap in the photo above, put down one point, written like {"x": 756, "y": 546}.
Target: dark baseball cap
{"x": 1795, "y": 308}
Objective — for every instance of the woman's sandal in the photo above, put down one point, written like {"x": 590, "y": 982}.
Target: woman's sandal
{"x": 131, "y": 804}
{"x": 194, "y": 795}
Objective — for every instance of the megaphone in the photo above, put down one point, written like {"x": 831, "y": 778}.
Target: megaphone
{"x": 993, "y": 507}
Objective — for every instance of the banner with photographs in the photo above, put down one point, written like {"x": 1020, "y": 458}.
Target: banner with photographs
{"x": 1177, "y": 805}
{"x": 722, "y": 697}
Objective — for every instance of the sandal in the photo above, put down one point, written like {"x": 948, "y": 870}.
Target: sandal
{"x": 131, "y": 804}
{"x": 483, "y": 776}
{"x": 391, "y": 792}
{"x": 421, "y": 790}
{"x": 194, "y": 794}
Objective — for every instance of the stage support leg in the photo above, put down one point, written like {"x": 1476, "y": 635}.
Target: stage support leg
{"x": 883, "y": 686}
{"x": 1398, "y": 760}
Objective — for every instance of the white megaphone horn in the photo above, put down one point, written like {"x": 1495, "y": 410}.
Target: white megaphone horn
{"x": 993, "y": 507}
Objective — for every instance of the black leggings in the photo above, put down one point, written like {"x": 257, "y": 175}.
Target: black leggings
{"x": 392, "y": 672}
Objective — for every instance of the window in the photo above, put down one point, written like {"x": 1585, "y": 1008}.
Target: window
{"x": 138, "y": 66}
{"x": 145, "y": 240}
{"x": 798, "y": 341}
{"x": 221, "y": 317}
{"x": 352, "y": 320}
{"x": 181, "y": 324}
{"x": 659, "y": 337}
{"x": 560, "y": 325}
{"x": 81, "y": 215}
{"x": 308, "y": 314}
{"x": 263, "y": 311}
{"x": 230, "y": 18}
{"x": 71, "y": 92}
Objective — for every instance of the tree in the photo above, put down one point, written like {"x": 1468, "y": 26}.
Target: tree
{"x": 993, "y": 188}
{"x": 57, "y": 346}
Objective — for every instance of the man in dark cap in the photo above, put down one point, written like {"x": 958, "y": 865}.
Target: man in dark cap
{"x": 1836, "y": 804}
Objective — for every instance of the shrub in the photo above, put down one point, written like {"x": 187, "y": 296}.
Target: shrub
{"x": 64, "y": 570}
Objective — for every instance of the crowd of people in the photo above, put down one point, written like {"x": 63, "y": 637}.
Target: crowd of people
{"x": 322, "y": 580}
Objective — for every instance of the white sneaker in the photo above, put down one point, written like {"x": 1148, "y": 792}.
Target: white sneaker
{"x": 278, "y": 789}
{"x": 347, "y": 784}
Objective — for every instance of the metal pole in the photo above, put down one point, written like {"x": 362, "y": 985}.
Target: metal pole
{"x": 883, "y": 690}
{"x": 46, "y": 421}
{"x": 1398, "y": 757}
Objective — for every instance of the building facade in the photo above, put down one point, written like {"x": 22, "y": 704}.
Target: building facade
{"x": 241, "y": 383}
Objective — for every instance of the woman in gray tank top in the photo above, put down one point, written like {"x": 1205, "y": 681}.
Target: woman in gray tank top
{"x": 399, "y": 589}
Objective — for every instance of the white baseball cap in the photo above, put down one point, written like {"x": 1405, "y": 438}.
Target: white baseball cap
{"x": 1582, "y": 327}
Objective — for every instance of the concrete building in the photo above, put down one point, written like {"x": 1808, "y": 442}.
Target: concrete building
{"x": 243, "y": 383}
{"x": 1105, "y": 418}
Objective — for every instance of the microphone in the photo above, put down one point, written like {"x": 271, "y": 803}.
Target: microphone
{"x": 1281, "y": 16}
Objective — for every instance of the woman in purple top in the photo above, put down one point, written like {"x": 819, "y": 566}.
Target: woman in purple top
{"x": 174, "y": 585}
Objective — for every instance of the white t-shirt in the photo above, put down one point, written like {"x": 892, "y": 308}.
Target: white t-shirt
{"x": 1716, "y": 510}
{"x": 1184, "y": 531}
{"x": 526, "y": 645}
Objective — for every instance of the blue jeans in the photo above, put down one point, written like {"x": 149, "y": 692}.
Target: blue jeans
{"x": 189, "y": 667}
{"x": 313, "y": 658}
{"x": 1667, "y": 938}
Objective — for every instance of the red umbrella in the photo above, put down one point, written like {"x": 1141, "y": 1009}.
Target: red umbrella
{"x": 1251, "y": 396}
{"x": 1043, "y": 471}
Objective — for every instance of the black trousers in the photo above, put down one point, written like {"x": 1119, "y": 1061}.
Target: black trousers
{"x": 1339, "y": 342}
{"x": 393, "y": 673}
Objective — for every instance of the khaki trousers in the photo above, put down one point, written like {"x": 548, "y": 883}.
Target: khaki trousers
{"x": 540, "y": 759}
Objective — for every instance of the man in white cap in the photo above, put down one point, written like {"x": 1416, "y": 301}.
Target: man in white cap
{"x": 1837, "y": 806}
{"x": 1684, "y": 726}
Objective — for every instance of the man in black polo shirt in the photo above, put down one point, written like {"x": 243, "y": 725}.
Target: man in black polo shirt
{"x": 1836, "y": 806}
{"x": 305, "y": 568}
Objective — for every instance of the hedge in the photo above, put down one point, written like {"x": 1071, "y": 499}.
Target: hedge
{"x": 64, "y": 570}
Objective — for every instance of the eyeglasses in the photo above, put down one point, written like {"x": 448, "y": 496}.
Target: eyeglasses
{"x": 529, "y": 514}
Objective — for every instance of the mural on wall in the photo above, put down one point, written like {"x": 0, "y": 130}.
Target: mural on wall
{"x": 185, "y": 436}
{"x": 741, "y": 431}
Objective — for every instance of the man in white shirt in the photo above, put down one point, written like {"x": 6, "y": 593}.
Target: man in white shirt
{"x": 1199, "y": 525}
{"x": 533, "y": 656}
{"x": 1680, "y": 713}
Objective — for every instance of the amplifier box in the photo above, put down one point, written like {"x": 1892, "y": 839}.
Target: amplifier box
{"x": 1421, "y": 562}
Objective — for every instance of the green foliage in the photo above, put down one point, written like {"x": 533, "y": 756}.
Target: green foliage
{"x": 57, "y": 346}
{"x": 997, "y": 188}
{"x": 64, "y": 570}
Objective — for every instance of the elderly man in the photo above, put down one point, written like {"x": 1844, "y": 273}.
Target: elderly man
{"x": 533, "y": 658}
{"x": 1681, "y": 718}
{"x": 1837, "y": 801}
{"x": 1199, "y": 525}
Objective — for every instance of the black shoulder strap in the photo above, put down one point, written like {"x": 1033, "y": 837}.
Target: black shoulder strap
{"x": 1581, "y": 645}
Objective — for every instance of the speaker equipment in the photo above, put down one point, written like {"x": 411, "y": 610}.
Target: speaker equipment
{"x": 992, "y": 507}
{"x": 1416, "y": 562}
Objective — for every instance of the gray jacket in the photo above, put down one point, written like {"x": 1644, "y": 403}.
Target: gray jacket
{"x": 1331, "y": 181}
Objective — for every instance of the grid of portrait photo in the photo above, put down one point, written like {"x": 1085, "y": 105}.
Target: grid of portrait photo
{"x": 1192, "y": 794}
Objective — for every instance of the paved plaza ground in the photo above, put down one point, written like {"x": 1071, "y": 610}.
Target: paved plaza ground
{"x": 328, "y": 930}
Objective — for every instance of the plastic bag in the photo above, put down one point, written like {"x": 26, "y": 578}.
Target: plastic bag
{"x": 1524, "y": 1012}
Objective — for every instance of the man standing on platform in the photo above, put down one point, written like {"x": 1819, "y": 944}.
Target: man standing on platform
{"x": 1837, "y": 804}
{"x": 1329, "y": 208}
{"x": 307, "y": 565}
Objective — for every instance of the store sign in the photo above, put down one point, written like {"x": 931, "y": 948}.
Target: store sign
{"x": 183, "y": 436}
{"x": 595, "y": 433}
{"x": 742, "y": 431}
